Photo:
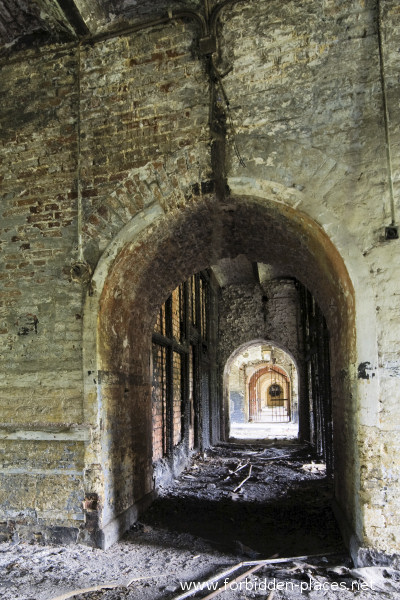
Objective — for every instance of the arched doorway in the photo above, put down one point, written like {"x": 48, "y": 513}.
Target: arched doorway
{"x": 270, "y": 393}
{"x": 256, "y": 410}
{"x": 140, "y": 271}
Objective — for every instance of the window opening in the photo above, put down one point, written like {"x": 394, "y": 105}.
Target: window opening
{"x": 181, "y": 367}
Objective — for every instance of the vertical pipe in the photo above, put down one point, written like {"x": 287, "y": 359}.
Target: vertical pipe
{"x": 206, "y": 9}
{"x": 79, "y": 158}
{"x": 386, "y": 114}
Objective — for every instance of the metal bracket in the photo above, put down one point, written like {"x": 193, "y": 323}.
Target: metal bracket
{"x": 207, "y": 45}
{"x": 392, "y": 232}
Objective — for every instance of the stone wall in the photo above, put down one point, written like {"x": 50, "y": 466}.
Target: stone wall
{"x": 241, "y": 318}
{"x": 268, "y": 312}
{"x": 323, "y": 135}
{"x": 73, "y": 139}
{"x": 253, "y": 312}
{"x": 42, "y": 435}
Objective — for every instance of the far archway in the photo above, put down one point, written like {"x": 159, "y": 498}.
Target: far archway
{"x": 262, "y": 384}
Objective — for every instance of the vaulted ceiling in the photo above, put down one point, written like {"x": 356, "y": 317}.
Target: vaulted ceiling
{"x": 25, "y": 23}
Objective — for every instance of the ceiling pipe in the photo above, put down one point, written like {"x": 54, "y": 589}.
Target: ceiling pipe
{"x": 171, "y": 17}
{"x": 217, "y": 11}
{"x": 206, "y": 26}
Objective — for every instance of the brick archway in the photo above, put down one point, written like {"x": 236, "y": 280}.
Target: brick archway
{"x": 255, "y": 380}
{"x": 150, "y": 258}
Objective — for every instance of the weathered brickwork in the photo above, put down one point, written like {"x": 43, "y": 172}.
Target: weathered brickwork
{"x": 158, "y": 399}
{"x": 115, "y": 189}
{"x": 38, "y": 201}
{"x": 144, "y": 128}
{"x": 241, "y": 318}
{"x": 268, "y": 312}
{"x": 40, "y": 308}
{"x": 259, "y": 312}
{"x": 295, "y": 136}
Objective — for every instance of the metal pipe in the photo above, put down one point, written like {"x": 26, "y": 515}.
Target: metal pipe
{"x": 180, "y": 14}
{"x": 93, "y": 39}
{"x": 79, "y": 160}
{"x": 386, "y": 115}
{"x": 216, "y": 12}
{"x": 206, "y": 9}
{"x": 206, "y": 25}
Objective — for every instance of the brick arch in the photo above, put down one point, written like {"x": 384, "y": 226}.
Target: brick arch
{"x": 152, "y": 254}
{"x": 256, "y": 342}
{"x": 228, "y": 366}
{"x": 252, "y": 383}
{"x": 136, "y": 190}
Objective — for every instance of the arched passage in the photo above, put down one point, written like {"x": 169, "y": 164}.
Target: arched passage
{"x": 248, "y": 373}
{"x": 269, "y": 388}
{"x": 149, "y": 261}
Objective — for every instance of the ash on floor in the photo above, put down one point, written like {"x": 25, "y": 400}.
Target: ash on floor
{"x": 234, "y": 505}
{"x": 283, "y": 506}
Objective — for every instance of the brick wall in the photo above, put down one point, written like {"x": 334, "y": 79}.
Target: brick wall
{"x": 158, "y": 399}
{"x": 40, "y": 307}
{"x": 252, "y": 312}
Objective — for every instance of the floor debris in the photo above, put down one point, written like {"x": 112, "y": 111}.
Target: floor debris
{"x": 244, "y": 480}
{"x": 382, "y": 579}
{"x": 198, "y": 527}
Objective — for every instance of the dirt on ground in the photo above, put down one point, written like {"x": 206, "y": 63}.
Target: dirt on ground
{"x": 241, "y": 522}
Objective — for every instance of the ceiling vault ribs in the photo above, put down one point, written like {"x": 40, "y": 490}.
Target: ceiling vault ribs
{"x": 39, "y": 22}
{"x": 74, "y": 17}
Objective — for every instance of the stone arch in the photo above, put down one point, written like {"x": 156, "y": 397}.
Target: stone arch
{"x": 352, "y": 259}
{"x": 150, "y": 256}
{"x": 228, "y": 365}
{"x": 135, "y": 192}
{"x": 255, "y": 342}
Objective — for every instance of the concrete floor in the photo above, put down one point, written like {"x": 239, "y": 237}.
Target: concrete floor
{"x": 264, "y": 430}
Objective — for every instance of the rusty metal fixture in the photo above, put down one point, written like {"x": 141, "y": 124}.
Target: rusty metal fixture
{"x": 81, "y": 272}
